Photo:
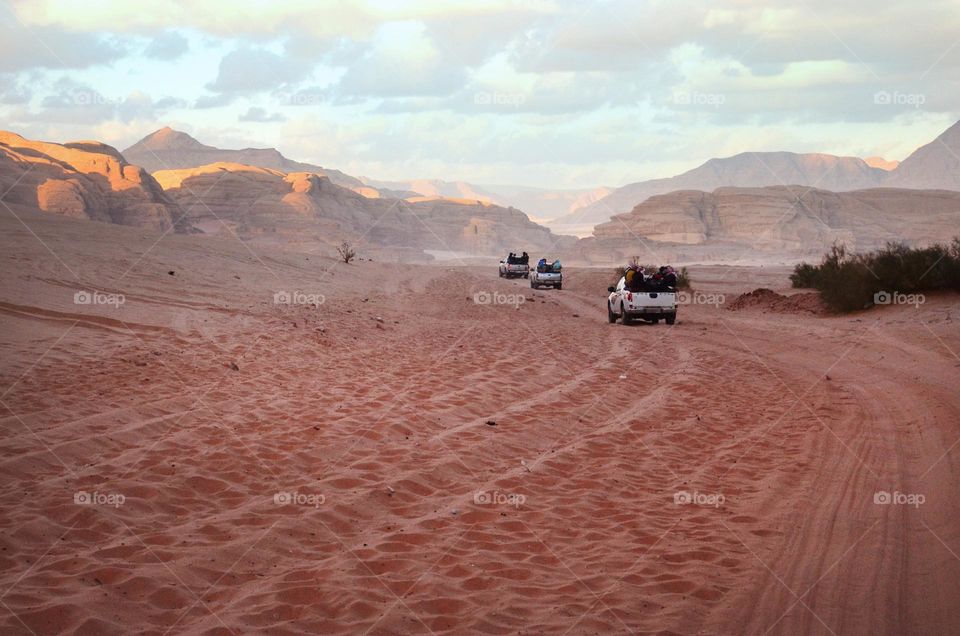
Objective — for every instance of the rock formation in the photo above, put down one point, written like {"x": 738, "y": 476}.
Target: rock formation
{"x": 773, "y": 223}
{"x": 934, "y": 166}
{"x": 748, "y": 169}
{"x": 83, "y": 179}
{"x": 168, "y": 149}
{"x": 305, "y": 209}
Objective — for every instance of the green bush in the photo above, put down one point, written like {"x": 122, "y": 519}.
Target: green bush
{"x": 850, "y": 282}
{"x": 804, "y": 276}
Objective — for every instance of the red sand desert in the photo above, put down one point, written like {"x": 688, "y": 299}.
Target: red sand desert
{"x": 431, "y": 449}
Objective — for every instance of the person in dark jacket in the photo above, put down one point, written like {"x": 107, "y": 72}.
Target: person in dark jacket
{"x": 669, "y": 277}
{"x": 633, "y": 275}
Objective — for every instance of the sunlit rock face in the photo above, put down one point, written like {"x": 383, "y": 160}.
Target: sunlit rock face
{"x": 84, "y": 179}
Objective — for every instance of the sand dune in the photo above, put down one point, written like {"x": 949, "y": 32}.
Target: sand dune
{"x": 403, "y": 510}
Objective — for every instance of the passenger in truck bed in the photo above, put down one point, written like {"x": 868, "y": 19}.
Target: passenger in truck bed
{"x": 633, "y": 277}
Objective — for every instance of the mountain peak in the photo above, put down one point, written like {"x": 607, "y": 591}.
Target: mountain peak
{"x": 935, "y": 165}
{"x": 168, "y": 139}
{"x": 951, "y": 134}
{"x": 883, "y": 164}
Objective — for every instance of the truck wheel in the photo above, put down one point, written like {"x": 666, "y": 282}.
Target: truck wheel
{"x": 526, "y": 275}
{"x": 671, "y": 319}
{"x": 624, "y": 318}
{"x": 559, "y": 286}
{"x": 655, "y": 321}
{"x": 611, "y": 317}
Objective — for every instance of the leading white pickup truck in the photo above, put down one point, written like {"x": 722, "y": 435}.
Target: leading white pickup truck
{"x": 627, "y": 305}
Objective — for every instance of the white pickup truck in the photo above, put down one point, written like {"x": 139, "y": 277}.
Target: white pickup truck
{"x": 546, "y": 279}
{"x": 627, "y": 305}
{"x": 514, "y": 270}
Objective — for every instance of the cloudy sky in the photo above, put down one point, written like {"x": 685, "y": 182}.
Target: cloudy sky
{"x": 549, "y": 93}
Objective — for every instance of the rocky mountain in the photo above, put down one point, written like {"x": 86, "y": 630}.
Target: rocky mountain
{"x": 776, "y": 223}
{"x": 748, "y": 169}
{"x": 302, "y": 208}
{"x": 543, "y": 204}
{"x": 883, "y": 164}
{"x": 168, "y": 149}
{"x": 435, "y": 188}
{"x": 935, "y": 165}
{"x": 84, "y": 179}
{"x": 539, "y": 203}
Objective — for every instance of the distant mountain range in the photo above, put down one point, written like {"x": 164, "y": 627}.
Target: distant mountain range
{"x": 933, "y": 166}
{"x": 307, "y": 210}
{"x": 771, "y": 224}
{"x": 540, "y": 203}
{"x": 576, "y": 211}
{"x": 279, "y": 202}
{"x": 303, "y": 210}
{"x": 168, "y": 149}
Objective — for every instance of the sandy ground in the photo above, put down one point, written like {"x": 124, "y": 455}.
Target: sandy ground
{"x": 202, "y": 460}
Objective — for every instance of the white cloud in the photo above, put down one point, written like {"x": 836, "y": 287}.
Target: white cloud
{"x": 553, "y": 90}
{"x": 249, "y": 70}
{"x": 52, "y": 48}
{"x": 402, "y": 61}
{"x": 260, "y": 115}
{"x": 169, "y": 45}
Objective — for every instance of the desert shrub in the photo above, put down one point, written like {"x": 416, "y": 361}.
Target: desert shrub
{"x": 850, "y": 282}
{"x": 804, "y": 276}
{"x": 346, "y": 252}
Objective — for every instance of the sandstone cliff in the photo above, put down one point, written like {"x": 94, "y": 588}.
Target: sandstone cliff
{"x": 773, "y": 223}
{"x": 303, "y": 208}
{"x": 748, "y": 169}
{"x": 83, "y": 179}
{"x": 168, "y": 149}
